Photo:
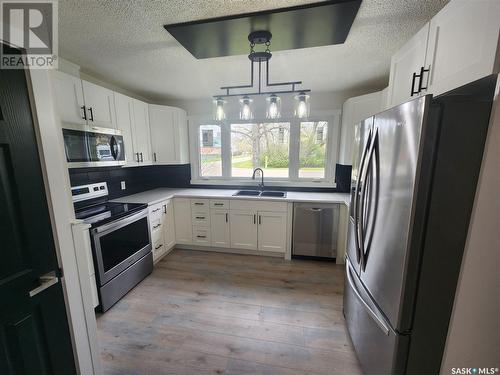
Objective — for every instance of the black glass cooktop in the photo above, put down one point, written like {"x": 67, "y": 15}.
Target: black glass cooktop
{"x": 104, "y": 213}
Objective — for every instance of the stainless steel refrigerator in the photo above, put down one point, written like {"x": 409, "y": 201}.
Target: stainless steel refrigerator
{"x": 415, "y": 172}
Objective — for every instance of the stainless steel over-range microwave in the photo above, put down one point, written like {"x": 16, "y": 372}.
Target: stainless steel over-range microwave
{"x": 93, "y": 146}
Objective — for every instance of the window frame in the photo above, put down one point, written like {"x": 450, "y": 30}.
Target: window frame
{"x": 331, "y": 152}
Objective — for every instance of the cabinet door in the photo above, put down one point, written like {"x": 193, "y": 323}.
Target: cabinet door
{"x": 69, "y": 98}
{"x": 462, "y": 45}
{"x": 272, "y": 231}
{"x": 124, "y": 118}
{"x": 219, "y": 224}
{"x": 168, "y": 225}
{"x": 408, "y": 60}
{"x": 182, "y": 217}
{"x": 182, "y": 141}
{"x": 141, "y": 131}
{"x": 100, "y": 104}
{"x": 163, "y": 138}
{"x": 243, "y": 226}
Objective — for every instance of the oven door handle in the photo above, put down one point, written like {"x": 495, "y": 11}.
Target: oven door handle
{"x": 122, "y": 222}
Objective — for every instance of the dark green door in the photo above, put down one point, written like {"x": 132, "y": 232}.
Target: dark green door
{"x": 34, "y": 332}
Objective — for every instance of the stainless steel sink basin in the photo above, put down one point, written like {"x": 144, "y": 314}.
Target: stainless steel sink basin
{"x": 274, "y": 194}
{"x": 256, "y": 193}
{"x": 247, "y": 193}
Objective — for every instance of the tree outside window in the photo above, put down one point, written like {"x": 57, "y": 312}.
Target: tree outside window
{"x": 312, "y": 154}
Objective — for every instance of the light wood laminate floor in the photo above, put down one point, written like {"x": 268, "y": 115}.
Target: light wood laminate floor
{"x": 213, "y": 313}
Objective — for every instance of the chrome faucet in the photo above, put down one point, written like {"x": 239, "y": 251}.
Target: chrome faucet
{"x": 261, "y": 185}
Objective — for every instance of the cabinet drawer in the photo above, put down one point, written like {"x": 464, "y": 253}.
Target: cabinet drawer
{"x": 200, "y": 219}
{"x": 155, "y": 211}
{"x": 201, "y": 236}
{"x": 219, "y": 204}
{"x": 200, "y": 205}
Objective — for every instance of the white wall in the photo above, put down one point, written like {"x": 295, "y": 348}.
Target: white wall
{"x": 474, "y": 332}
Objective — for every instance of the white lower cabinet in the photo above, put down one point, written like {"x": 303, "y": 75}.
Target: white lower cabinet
{"x": 183, "y": 225}
{"x": 243, "y": 229}
{"x": 272, "y": 231}
{"x": 162, "y": 227}
{"x": 220, "y": 228}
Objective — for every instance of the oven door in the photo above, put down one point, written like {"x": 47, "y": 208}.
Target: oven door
{"x": 96, "y": 148}
{"x": 120, "y": 244}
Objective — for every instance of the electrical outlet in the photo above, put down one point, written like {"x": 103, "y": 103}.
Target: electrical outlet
{"x": 123, "y": 185}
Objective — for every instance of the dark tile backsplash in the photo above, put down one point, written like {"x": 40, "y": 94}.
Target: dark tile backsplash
{"x": 138, "y": 179}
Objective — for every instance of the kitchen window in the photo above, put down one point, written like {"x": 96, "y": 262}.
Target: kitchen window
{"x": 292, "y": 152}
{"x": 262, "y": 145}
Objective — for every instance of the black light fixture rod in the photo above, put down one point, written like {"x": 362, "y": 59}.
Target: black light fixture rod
{"x": 262, "y": 93}
{"x": 227, "y": 88}
{"x": 293, "y": 83}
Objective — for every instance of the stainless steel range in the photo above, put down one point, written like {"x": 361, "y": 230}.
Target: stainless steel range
{"x": 121, "y": 241}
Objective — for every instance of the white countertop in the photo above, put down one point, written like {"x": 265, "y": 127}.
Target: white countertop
{"x": 160, "y": 194}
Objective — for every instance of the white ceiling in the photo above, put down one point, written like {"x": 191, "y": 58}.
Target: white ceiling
{"x": 124, "y": 43}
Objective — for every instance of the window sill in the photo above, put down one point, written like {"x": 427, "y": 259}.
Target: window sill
{"x": 267, "y": 182}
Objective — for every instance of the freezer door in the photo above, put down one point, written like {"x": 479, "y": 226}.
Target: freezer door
{"x": 385, "y": 207}
{"x": 362, "y": 141}
{"x": 380, "y": 350}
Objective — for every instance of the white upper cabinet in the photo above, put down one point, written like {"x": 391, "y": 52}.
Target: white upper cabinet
{"x": 354, "y": 111}
{"x": 458, "y": 46}
{"x": 462, "y": 46}
{"x": 142, "y": 138}
{"x": 69, "y": 98}
{"x": 169, "y": 135}
{"x": 404, "y": 64}
{"x": 100, "y": 105}
{"x": 124, "y": 122}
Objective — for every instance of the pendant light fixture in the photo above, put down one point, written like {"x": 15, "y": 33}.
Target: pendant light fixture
{"x": 302, "y": 105}
{"x": 246, "y": 109}
{"x": 219, "y": 113}
{"x": 273, "y": 106}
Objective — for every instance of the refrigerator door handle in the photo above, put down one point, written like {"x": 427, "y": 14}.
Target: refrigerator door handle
{"x": 356, "y": 196}
{"x": 370, "y": 311}
{"x": 361, "y": 221}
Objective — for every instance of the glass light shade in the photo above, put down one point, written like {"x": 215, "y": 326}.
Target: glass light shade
{"x": 246, "y": 108}
{"x": 218, "y": 109}
{"x": 302, "y": 105}
{"x": 273, "y": 110}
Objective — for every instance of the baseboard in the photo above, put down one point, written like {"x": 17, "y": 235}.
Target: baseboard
{"x": 230, "y": 251}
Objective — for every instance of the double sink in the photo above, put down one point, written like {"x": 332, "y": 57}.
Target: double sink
{"x": 257, "y": 193}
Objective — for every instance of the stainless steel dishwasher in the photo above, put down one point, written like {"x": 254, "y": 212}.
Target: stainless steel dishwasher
{"x": 315, "y": 230}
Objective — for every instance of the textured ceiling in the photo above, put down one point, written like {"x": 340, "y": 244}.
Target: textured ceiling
{"x": 123, "y": 42}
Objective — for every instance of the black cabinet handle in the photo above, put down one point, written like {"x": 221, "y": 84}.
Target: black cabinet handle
{"x": 254, "y": 218}
{"x": 200, "y": 217}
{"x": 413, "y": 92}
{"x": 260, "y": 220}
{"x": 137, "y": 156}
{"x": 157, "y": 247}
{"x": 91, "y": 114}
{"x": 199, "y": 203}
{"x": 219, "y": 204}
{"x": 154, "y": 156}
{"x": 420, "y": 84}
{"x": 201, "y": 236}
{"x": 164, "y": 208}
{"x": 227, "y": 218}
{"x": 84, "y": 112}
{"x": 142, "y": 159}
